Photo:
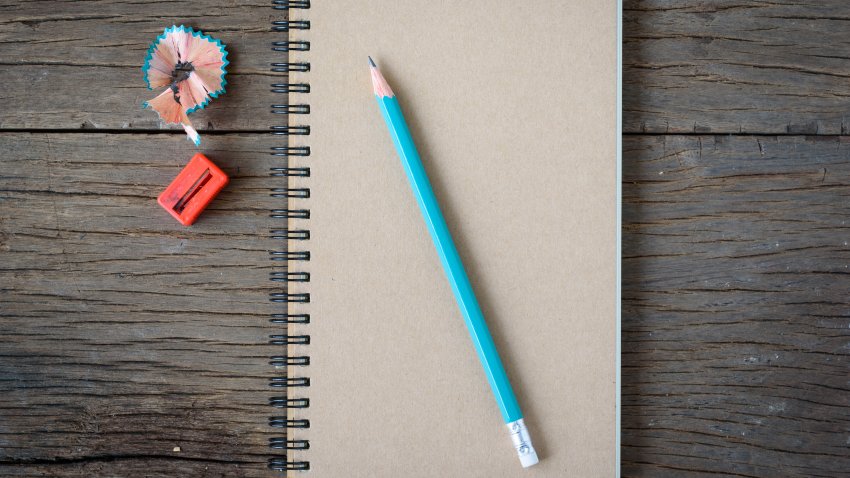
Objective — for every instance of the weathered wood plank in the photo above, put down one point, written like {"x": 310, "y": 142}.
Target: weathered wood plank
{"x": 736, "y": 323}
{"x": 77, "y": 64}
{"x": 122, "y": 333}
{"x": 736, "y": 66}
{"x": 165, "y": 466}
{"x": 723, "y": 67}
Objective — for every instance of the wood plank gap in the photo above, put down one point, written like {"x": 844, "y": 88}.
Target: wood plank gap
{"x": 180, "y": 132}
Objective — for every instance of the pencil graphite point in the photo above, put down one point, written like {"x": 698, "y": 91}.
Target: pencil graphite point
{"x": 379, "y": 84}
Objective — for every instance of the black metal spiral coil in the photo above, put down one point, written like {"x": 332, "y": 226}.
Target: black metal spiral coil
{"x": 284, "y": 297}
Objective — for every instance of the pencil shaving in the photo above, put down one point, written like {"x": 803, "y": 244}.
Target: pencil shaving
{"x": 191, "y": 66}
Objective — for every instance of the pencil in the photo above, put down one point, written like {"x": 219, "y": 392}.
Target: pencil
{"x": 471, "y": 311}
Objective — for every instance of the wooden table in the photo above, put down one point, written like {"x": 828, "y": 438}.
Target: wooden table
{"x": 736, "y": 322}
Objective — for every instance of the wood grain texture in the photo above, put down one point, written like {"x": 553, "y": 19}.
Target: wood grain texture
{"x": 123, "y": 333}
{"x": 736, "y": 324}
{"x": 689, "y": 66}
{"x": 77, "y": 64}
{"x": 736, "y": 66}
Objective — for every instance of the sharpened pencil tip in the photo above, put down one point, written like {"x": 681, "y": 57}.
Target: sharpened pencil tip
{"x": 379, "y": 84}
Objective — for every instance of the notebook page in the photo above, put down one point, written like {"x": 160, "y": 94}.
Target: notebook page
{"x": 514, "y": 110}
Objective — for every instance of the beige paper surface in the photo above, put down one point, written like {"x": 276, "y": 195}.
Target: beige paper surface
{"x": 514, "y": 110}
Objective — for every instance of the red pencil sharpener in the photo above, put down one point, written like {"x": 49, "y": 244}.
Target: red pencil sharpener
{"x": 193, "y": 189}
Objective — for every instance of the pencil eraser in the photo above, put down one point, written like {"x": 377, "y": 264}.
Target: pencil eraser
{"x": 528, "y": 459}
{"x": 193, "y": 189}
{"x": 522, "y": 443}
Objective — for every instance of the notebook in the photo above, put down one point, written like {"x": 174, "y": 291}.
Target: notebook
{"x": 514, "y": 107}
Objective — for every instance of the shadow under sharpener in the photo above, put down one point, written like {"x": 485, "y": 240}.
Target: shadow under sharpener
{"x": 193, "y": 189}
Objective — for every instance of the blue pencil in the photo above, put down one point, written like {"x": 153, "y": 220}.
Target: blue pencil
{"x": 453, "y": 267}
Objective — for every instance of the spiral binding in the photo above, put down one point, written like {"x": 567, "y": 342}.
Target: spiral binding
{"x": 290, "y": 258}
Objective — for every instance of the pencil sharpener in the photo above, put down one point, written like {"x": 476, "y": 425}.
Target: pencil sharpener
{"x": 193, "y": 189}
